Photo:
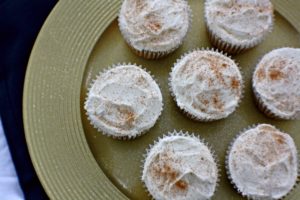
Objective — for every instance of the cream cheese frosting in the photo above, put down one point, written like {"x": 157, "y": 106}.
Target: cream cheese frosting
{"x": 124, "y": 101}
{"x": 180, "y": 167}
{"x": 239, "y": 22}
{"x": 206, "y": 84}
{"x": 277, "y": 82}
{"x": 263, "y": 163}
{"x": 154, "y": 25}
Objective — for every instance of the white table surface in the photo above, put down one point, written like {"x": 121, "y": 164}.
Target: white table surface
{"x": 9, "y": 183}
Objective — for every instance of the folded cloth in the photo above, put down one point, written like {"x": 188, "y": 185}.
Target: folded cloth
{"x": 9, "y": 183}
{"x": 20, "y": 22}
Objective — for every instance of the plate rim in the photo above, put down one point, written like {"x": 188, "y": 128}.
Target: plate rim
{"x": 38, "y": 56}
{"x": 34, "y": 113}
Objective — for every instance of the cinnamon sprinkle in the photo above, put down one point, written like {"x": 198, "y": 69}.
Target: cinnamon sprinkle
{"x": 165, "y": 173}
{"x": 205, "y": 102}
{"x": 127, "y": 116}
{"x": 279, "y": 138}
{"x": 181, "y": 184}
{"x": 215, "y": 69}
{"x": 154, "y": 25}
{"x": 276, "y": 74}
{"x": 130, "y": 117}
{"x": 261, "y": 74}
{"x": 142, "y": 81}
{"x": 224, "y": 65}
{"x": 235, "y": 84}
{"x": 217, "y": 103}
{"x": 139, "y": 4}
{"x": 164, "y": 170}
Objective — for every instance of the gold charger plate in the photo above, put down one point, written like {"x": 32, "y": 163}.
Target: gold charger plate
{"x": 80, "y": 38}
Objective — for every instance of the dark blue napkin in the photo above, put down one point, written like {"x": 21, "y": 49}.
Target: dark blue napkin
{"x": 20, "y": 22}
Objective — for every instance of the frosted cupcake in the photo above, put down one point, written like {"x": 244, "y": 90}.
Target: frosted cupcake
{"x": 124, "y": 102}
{"x": 262, "y": 163}
{"x": 178, "y": 167}
{"x": 237, "y": 25}
{"x": 206, "y": 85}
{"x": 154, "y": 28}
{"x": 276, "y": 83}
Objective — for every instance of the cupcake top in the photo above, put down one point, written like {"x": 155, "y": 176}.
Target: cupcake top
{"x": 206, "y": 84}
{"x": 263, "y": 163}
{"x": 239, "y": 22}
{"x": 277, "y": 82}
{"x": 180, "y": 167}
{"x": 124, "y": 101}
{"x": 154, "y": 25}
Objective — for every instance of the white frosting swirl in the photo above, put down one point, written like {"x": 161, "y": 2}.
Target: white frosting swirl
{"x": 239, "y": 22}
{"x": 277, "y": 82}
{"x": 180, "y": 167}
{"x": 206, "y": 84}
{"x": 154, "y": 25}
{"x": 263, "y": 163}
{"x": 124, "y": 101}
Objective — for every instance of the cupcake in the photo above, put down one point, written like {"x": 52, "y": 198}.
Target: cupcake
{"x": 124, "y": 102}
{"x": 262, "y": 163}
{"x": 237, "y": 25}
{"x": 154, "y": 28}
{"x": 180, "y": 166}
{"x": 206, "y": 85}
{"x": 276, "y": 83}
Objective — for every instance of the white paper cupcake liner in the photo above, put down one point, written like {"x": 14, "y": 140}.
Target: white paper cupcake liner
{"x": 151, "y": 55}
{"x": 154, "y": 55}
{"x": 186, "y": 112}
{"x": 125, "y": 137}
{"x": 185, "y": 134}
{"x": 229, "y": 174}
{"x": 262, "y": 107}
{"x": 229, "y": 47}
{"x": 265, "y": 109}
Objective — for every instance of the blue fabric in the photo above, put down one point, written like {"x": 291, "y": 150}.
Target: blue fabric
{"x": 20, "y": 22}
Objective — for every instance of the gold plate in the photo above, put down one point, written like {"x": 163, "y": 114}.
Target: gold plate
{"x": 81, "y": 38}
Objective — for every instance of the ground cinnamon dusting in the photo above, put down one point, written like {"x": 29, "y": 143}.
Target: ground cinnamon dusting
{"x": 217, "y": 103}
{"x": 224, "y": 65}
{"x": 215, "y": 69}
{"x": 164, "y": 170}
{"x": 279, "y": 139}
{"x": 276, "y": 74}
{"x": 139, "y": 5}
{"x": 196, "y": 106}
{"x": 155, "y": 26}
{"x": 210, "y": 82}
{"x": 127, "y": 116}
{"x": 235, "y": 84}
{"x": 181, "y": 184}
{"x": 261, "y": 74}
{"x": 205, "y": 102}
{"x": 142, "y": 81}
{"x": 130, "y": 117}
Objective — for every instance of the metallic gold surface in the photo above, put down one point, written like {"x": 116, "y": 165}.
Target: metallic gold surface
{"x": 81, "y": 38}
